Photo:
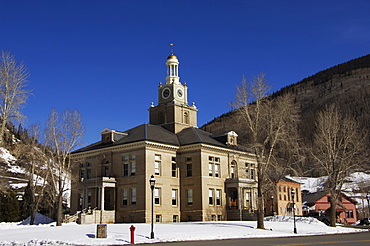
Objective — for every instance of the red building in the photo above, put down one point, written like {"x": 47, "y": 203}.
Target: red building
{"x": 319, "y": 202}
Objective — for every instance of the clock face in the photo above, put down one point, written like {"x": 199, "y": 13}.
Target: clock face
{"x": 166, "y": 93}
{"x": 180, "y": 93}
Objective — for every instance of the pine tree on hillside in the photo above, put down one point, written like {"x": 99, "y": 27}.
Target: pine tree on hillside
{"x": 9, "y": 207}
{"x": 28, "y": 201}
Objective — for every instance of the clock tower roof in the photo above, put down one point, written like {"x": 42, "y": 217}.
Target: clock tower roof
{"x": 172, "y": 56}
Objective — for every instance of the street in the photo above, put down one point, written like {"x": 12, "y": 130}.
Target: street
{"x": 352, "y": 239}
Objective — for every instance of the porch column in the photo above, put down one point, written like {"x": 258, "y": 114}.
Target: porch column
{"x": 240, "y": 197}
{"x": 102, "y": 198}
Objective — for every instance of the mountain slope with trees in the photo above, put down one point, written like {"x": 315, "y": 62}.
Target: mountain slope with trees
{"x": 346, "y": 85}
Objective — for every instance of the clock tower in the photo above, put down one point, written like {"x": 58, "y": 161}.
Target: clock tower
{"x": 173, "y": 111}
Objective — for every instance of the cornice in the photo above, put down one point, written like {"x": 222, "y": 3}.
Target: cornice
{"x": 141, "y": 144}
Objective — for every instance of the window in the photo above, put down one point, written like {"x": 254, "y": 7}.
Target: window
{"x": 247, "y": 199}
{"x": 157, "y": 196}
{"x": 125, "y": 169}
{"x": 174, "y": 197}
{"x": 133, "y": 164}
{"x": 129, "y": 165}
{"x": 210, "y": 169}
{"x": 186, "y": 118}
{"x": 175, "y": 218}
{"x": 133, "y": 196}
{"x": 218, "y": 197}
{"x": 124, "y": 198}
{"x": 213, "y": 166}
{"x": 157, "y": 165}
{"x": 174, "y": 167}
{"x": 189, "y": 197}
{"x": 80, "y": 203}
{"x": 189, "y": 171}
{"x": 213, "y": 217}
{"x": 211, "y": 196}
{"x": 88, "y": 173}
{"x": 82, "y": 174}
{"x": 252, "y": 174}
{"x": 158, "y": 218}
{"x": 189, "y": 167}
{"x": 217, "y": 170}
{"x": 89, "y": 199}
{"x": 349, "y": 214}
{"x": 232, "y": 172}
{"x": 106, "y": 171}
{"x": 219, "y": 217}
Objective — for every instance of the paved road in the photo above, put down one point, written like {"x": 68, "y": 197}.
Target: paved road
{"x": 352, "y": 239}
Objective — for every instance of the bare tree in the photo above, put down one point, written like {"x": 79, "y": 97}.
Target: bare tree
{"x": 13, "y": 91}
{"x": 337, "y": 148}
{"x": 269, "y": 124}
{"x": 62, "y": 134}
{"x": 32, "y": 154}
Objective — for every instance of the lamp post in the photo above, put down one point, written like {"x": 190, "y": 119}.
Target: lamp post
{"x": 272, "y": 205}
{"x": 295, "y": 228}
{"x": 368, "y": 207}
{"x": 152, "y": 184}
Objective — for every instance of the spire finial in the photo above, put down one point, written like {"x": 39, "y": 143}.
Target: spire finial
{"x": 171, "y": 44}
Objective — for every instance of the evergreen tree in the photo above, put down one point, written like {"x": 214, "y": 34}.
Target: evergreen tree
{"x": 9, "y": 207}
{"x": 28, "y": 201}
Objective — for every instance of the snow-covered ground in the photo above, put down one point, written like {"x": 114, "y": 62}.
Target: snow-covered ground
{"x": 119, "y": 234}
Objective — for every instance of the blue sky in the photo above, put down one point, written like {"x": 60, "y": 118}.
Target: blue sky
{"x": 106, "y": 58}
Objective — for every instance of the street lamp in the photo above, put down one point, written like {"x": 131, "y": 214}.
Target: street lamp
{"x": 272, "y": 205}
{"x": 295, "y": 228}
{"x": 368, "y": 207}
{"x": 152, "y": 184}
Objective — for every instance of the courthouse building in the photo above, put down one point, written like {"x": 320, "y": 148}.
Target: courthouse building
{"x": 199, "y": 176}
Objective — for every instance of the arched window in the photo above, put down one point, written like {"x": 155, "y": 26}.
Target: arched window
{"x": 186, "y": 117}
{"x": 233, "y": 167}
{"x": 106, "y": 169}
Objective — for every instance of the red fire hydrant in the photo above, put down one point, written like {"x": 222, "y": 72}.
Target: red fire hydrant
{"x": 132, "y": 229}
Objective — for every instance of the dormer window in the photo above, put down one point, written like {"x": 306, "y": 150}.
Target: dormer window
{"x": 232, "y": 138}
{"x": 110, "y": 136}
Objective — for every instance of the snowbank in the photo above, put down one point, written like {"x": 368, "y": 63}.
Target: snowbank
{"x": 119, "y": 234}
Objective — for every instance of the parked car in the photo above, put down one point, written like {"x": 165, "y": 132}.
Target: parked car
{"x": 365, "y": 221}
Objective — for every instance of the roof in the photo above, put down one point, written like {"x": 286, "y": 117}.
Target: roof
{"x": 156, "y": 133}
{"x": 288, "y": 180}
{"x": 313, "y": 197}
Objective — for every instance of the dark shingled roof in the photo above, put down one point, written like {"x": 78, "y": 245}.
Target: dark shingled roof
{"x": 155, "y": 133}
{"x": 311, "y": 198}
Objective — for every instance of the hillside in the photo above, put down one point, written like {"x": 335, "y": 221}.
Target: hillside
{"x": 347, "y": 85}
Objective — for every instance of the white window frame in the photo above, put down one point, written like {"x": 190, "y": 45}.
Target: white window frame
{"x": 133, "y": 196}
{"x": 189, "y": 197}
{"x": 124, "y": 197}
{"x": 218, "y": 197}
{"x": 174, "y": 193}
{"x": 157, "y": 196}
{"x": 211, "y": 197}
{"x": 157, "y": 164}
